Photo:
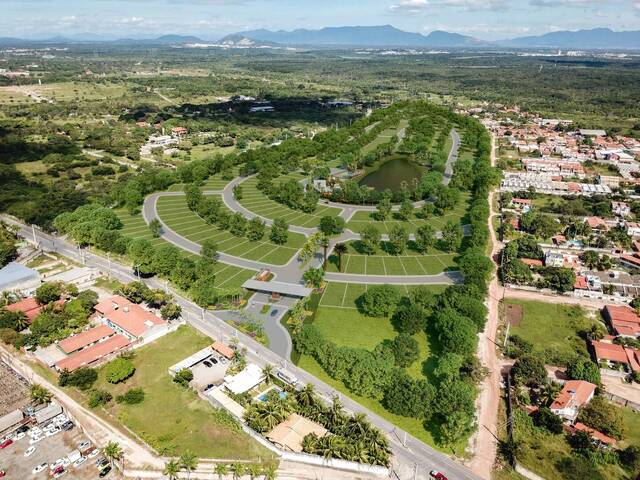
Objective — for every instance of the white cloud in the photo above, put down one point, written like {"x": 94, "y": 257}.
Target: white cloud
{"x": 413, "y": 6}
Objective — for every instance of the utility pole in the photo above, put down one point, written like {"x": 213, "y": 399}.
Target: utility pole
{"x": 33, "y": 232}
{"x": 109, "y": 266}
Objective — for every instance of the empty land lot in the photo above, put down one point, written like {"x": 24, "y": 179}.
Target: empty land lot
{"x": 176, "y": 214}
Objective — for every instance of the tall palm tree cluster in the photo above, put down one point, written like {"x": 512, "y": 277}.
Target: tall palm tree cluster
{"x": 351, "y": 437}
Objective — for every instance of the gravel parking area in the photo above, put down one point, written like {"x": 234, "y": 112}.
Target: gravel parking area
{"x": 50, "y": 449}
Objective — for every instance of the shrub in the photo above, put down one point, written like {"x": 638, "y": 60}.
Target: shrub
{"x": 545, "y": 418}
{"x": 379, "y": 301}
{"x": 97, "y": 398}
{"x": 82, "y": 378}
{"x": 183, "y": 377}
{"x": 119, "y": 370}
{"x": 132, "y": 396}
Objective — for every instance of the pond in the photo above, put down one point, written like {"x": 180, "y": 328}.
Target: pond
{"x": 392, "y": 173}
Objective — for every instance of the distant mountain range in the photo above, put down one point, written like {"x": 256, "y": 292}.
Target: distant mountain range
{"x": 374, "y": 36}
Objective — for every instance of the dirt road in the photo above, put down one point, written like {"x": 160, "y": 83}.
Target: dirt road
{"x": 484, "y": 443}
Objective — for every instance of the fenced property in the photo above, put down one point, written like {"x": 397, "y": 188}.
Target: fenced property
{"x": 175, "y": 213}
{"x": 257, "y": 202}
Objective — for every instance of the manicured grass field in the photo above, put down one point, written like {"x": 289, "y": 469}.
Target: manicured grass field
{"x": 339, "y": 320}
{"x": 410, "y": 263}
{"x": 257, "y": 202}
{"x": 173, "y": 419}
{"x": 227, "y": 276}
{"x": 175, "y": 213}
{"x": 384, "y": 137}
{"x": 361, "y": 219}
{"x": 553, "y": 329}
{"x": 214, "y": 183}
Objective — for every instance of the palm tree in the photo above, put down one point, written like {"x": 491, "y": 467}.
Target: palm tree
{"x": 340, "y": 249}
{"x": 268, "y": 373}
{"x": 21, "y": 321}
{"x": 254, "y": 470}
{"x": 325, "y": 246}
{"x": 113, "y": 452}
{"x": 171, "y": 469}
{"x": 189, "y": 461}
{"x": 335, "y": 414}
{"x": 221, "y": 469}
{"x": 238, "y": 470}
{"x": 269, "y": 473}
{"x": 39, "y": 394}
{"x": 307, "y": 396}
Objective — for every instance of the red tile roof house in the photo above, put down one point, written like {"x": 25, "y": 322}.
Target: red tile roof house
{"x": 624, "y": 321}
{"x": 613, "y": 355}
{"x": 94, "y": 353}
{"x": 597, "y": 223}
{"x": 130, "y": 319}
{"x": 599, "y": 438}
{"x": 30, "y": 307}
{"x": 574, "y": 395}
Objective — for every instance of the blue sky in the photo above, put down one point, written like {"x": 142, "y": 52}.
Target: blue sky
{"x": 210, "y": 19}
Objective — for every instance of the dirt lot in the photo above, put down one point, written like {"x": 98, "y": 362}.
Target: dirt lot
{"x": 19, "y": 467}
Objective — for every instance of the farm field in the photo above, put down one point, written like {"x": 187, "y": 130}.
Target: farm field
{"x": 227, "y": 276}
{"x": 175, "y": 213}
{"x": 257, "y": 202}
{"x": 361, "y": 219}
{"x": 410, "y": 263}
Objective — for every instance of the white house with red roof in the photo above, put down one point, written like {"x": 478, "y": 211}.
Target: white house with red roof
{"x": 574, "y": 395}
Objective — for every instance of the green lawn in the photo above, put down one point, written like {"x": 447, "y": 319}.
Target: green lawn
{"x": 175, "y": 213}
{"x": 553, "y": 329}
{"x": 257, "y": 202}
{"x": 172, "y": 419}
{"x": 383, "y": 263}
{"x": 213, "y": 183}
{"x": 227, "y": 276}
{"x": 363, "y": 218}
{"x": 339, "y": 321}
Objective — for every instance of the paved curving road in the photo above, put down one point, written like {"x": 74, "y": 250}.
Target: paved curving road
{"x": 412, "y": 458}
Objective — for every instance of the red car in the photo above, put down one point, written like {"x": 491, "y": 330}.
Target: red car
{"x": 437, "y": 475}
{"x": 6, "y": 443}
{"x": 2, "y": 473}
{"x": 58, "y": 469}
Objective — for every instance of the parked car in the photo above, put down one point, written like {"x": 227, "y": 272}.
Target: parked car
{"x": 29, "y": 451}
{"x": 67, "y": 426}
{"x": 105, "y": 471}
{"x": 83, "y": 445}
{"x": 437, "y": 475}
{"x": 59, "y": 463}
{"x": 19, "y": 436}
{"x": 6, "y": 443}
{"x": 207, "y": 364}
{"x": 101, "y": 463}
{"x": 37, "y": 439}
{"x": 23, "y": 429}
{"x": 58, "y": 469}
{"x": 79, "y": 461}
{"x": 274, "y": 312}
{"x": 40, "y": 468}
{"x": 213, "y": 360}
{"x": 60, "y": 473}
{"x": 93, "y": 453}
{"x": 3, "y": 473}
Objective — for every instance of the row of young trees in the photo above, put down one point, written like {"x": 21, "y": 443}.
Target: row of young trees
{"x": 212, "y": 211}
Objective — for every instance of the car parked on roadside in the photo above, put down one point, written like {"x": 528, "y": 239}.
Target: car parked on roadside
{"x": 101, "y": 463}
{"x": 6, "y": 443}
{"x": 40, "y": 468}
{"x": 105, "y": 471}
{"x": 437, "y": 475}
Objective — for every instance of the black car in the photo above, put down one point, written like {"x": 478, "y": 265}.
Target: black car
{"x": 105, "y": 471}
{"x": 207, "y": 364}
{"x": 23, "y": 429}
{"x": 67, "y": 426}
